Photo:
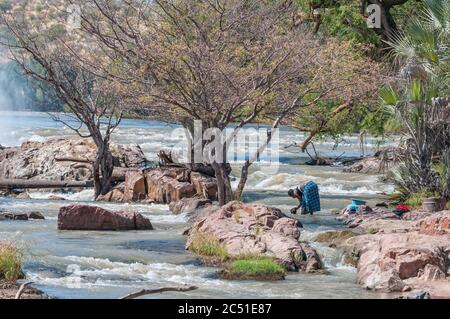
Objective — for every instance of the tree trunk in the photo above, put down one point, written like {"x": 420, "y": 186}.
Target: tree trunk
{"x": 103, "y": 167}
{"x": 242, "y": 181}
{"x": 388, "y": 25}
{"x": 224, "y": 190}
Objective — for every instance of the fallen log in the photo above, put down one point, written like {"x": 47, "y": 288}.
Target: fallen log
{"x": 144, "y": 292}
{"x": 37, "y": 184}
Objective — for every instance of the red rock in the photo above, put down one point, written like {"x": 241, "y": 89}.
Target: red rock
{"x": 410, "y": 262}
{"x": 386, "y": 260}
{"x": 431, "y": 273}
{"x": 116, "y": 195}
{"x": 205, "y": 185}
{"x": 253, "y": 229}
{"x": 436, "y": 224}
{"x": 163, "y": 187}
{"x": 83, "y": 217}
{"x": 134, "y": 186}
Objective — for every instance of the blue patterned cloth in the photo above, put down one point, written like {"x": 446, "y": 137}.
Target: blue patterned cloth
{"x": 311, "y": 198}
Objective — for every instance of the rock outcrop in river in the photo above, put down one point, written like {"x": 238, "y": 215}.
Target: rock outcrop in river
{"x": 163, "y": 185}
{"x": 50, "y": 160}
{"x": 257, "y": 230}
{"x": 375, "y": 164}
{"x": 84, "y": 217}
{"x": 59, "y": 160}
{"x": 398, "y": 255}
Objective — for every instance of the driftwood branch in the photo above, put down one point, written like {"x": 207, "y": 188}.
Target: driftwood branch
{"x": 37, "y": 184}
{"x": 21, "y": 289}
{"x": 145, "y": 292}
{"x": 73, "y": 159}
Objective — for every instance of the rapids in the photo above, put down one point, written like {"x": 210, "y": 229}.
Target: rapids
{"x": 112, "y": 264}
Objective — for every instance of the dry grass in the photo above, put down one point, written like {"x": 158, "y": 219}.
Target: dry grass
{"x": 207, "y": 245}
{"x": 10, "y": 262}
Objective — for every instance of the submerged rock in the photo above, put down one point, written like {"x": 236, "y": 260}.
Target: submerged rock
{"x": 23, "y": 195}
{"x": 35, "y": 215}
{"x": 367, "y": 165}
{"x": 83, "y": 217}
{"x": 13, "y": 216}
{"x": 257, "y": 230}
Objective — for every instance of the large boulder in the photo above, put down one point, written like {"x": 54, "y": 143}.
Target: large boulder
{"x": 38, "y": 160}
{"x": 257, "y": 230}
{"x": 83, "y": 217}
{"x": 171, "y": 184}
{"x": 399, "y": 253}
{"x": 163, "y": 185}
{"x": 388, "y": 261}
{"x": 134, "y": 186}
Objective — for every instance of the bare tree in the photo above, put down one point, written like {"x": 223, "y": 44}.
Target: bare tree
{"x": 221, "y": 63}
{"x": 48, "y": 53}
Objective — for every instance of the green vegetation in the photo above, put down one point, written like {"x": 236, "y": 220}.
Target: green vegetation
{"x": 415, "y": 200}
{"x": 347, "y": 19}
{"x": 209, "y": 247}
{"x": 256, "y": 266}
{"x": 421, "y": 105}
{"x": 10, "y": 262}
{"x": 253, "y": 268}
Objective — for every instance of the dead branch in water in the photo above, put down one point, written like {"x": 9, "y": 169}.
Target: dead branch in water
{"x": 21, "y": 289}
{"x": 145, "y": 292}
{"x": 28, "y": 184}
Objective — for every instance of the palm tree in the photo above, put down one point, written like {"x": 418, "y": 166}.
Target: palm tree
{"x": 421, "y": 104}
{"x": 424, "y": 47}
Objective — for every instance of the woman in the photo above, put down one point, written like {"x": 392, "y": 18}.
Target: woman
{"x": 308, "y": 196}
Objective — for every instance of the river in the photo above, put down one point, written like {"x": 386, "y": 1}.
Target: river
{"x": 113, "y": 264}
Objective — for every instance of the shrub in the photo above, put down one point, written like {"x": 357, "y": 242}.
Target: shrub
{"x": 415, "y": 200}
{"x": 10, "y": 262}
{"x": 207, "y": 245}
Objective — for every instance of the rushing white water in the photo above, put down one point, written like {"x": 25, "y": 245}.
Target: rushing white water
{"x": 112, "y": 264}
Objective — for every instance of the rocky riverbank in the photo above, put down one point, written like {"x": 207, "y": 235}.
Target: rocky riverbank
{"x": 397, "y": 255}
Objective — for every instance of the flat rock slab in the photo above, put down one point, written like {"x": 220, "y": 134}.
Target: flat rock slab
{"x": 83, "y": 217}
